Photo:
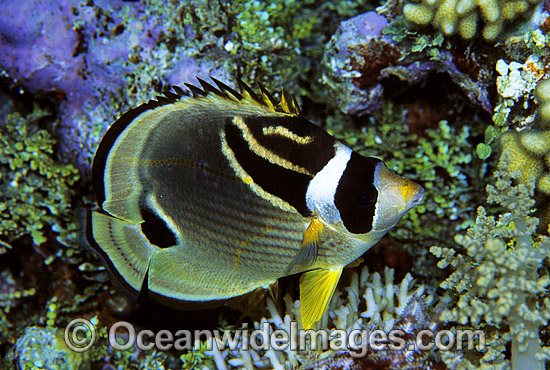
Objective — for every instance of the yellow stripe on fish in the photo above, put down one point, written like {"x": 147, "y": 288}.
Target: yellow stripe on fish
{"x": 209, "y": 196}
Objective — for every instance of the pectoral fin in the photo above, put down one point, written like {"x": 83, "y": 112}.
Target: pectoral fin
{"x": 307, "y": 255}
{"x": 316, "y": 290}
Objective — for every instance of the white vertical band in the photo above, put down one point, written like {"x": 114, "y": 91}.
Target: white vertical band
{"x": 322, "y": 188}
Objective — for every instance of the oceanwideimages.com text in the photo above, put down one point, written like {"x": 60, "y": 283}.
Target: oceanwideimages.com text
{"x": 80, "y": 335}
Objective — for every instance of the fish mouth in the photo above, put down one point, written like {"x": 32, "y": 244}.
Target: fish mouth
{"x": 418, "y": 197}
{"x": 412, "y": 193}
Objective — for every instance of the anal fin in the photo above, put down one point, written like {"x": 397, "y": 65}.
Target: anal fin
{"x": 307, "y": 254}
{"x": 316, "y": 290}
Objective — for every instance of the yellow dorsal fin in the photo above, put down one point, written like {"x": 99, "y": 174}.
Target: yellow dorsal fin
{"x": 246, "y": 94}
{"x": 316, "y": 290}
{"x": 286, "y": 102}
{"x": 267, "y": 98}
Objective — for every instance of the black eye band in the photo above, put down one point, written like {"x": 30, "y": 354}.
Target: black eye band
{"x": 356, "y": 195}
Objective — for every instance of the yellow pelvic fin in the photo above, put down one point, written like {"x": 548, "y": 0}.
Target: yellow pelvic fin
{"x": 307, "y": 255}
{"x": 316, "y": 290}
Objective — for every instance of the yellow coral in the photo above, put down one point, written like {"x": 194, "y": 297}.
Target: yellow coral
{"x": 468, "y": 27}
{"x": 489, "y": 9}
{"x": 543, "y": 184}
{"x": 537, "y": 143}
{"x": 465, "y": 6}
{"x": 446, "y": 17}
{"x": 513, "y": 8}
{"x": 492, "y": 30}
{"x": 518, "y": 158}
{"x": 462, "y": 16}
{"x": 542, "y": 93}
{"x": 543, "y": 115}
{"x": 420, "y": 13}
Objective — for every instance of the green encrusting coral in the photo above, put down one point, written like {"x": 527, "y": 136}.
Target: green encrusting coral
{"x": 272, "y": 42}
{"x": 498, "y": 279}
{"x": 35, "y": 190}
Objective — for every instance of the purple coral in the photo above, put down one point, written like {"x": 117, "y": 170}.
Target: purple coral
{"x": 38, "y": 46}
{"x": 354, "y": 58}
{"x": 103, "y": 58}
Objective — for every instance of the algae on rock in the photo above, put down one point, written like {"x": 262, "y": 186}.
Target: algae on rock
{"x": 35, "y": 190}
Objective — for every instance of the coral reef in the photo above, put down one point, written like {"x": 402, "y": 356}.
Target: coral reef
{"x": 45, "y": 348}
{"x": 102, "y": 58}
{"x": 527, "y": 152}
{"x": 384, "y": 306}
{"x": 422, "y": 101}
{"x": 413, "y": 319}
{"x": 353, "y": 59}
{"x": 516, "y": 85}
{"x": 465, "y": 16}
{"x": 359, "y": 58}
{"x": 11, "y": 292}
{"x": 498, "y": 277}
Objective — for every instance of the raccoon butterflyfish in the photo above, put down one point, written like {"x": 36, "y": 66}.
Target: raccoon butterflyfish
{"x": 209, "y": 195}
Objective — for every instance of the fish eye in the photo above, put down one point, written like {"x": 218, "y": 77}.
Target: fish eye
{"x": 362, "y": 200}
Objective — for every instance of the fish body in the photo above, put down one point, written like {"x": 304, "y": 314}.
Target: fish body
{"x": 211, "y": 196}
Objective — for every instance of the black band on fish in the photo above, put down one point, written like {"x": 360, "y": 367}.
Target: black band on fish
{"x": 294, "y": 139}
{"x": 156, "y": 231}
{"x": 356, "y": 195}
{"x": 287, "y": 184}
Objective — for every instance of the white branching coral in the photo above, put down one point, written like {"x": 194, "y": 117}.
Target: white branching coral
{"x": 369, "y": 301}
{"x": 498, "y": 274}
{"x": 385, "y": 302}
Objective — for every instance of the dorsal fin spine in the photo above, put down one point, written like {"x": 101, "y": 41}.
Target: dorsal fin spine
{"x": 224, "y": 87}
{"x": 207, "y": 88}
{"x": 248, "y": 93}
{"x": 288, "y": 104}
{"x": 285, "y": 101}
{"x": 267, "y": 97}
{"x": 295, "y": 106}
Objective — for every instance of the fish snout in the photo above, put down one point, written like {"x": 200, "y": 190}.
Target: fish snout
{"x": 412, "y": 193}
